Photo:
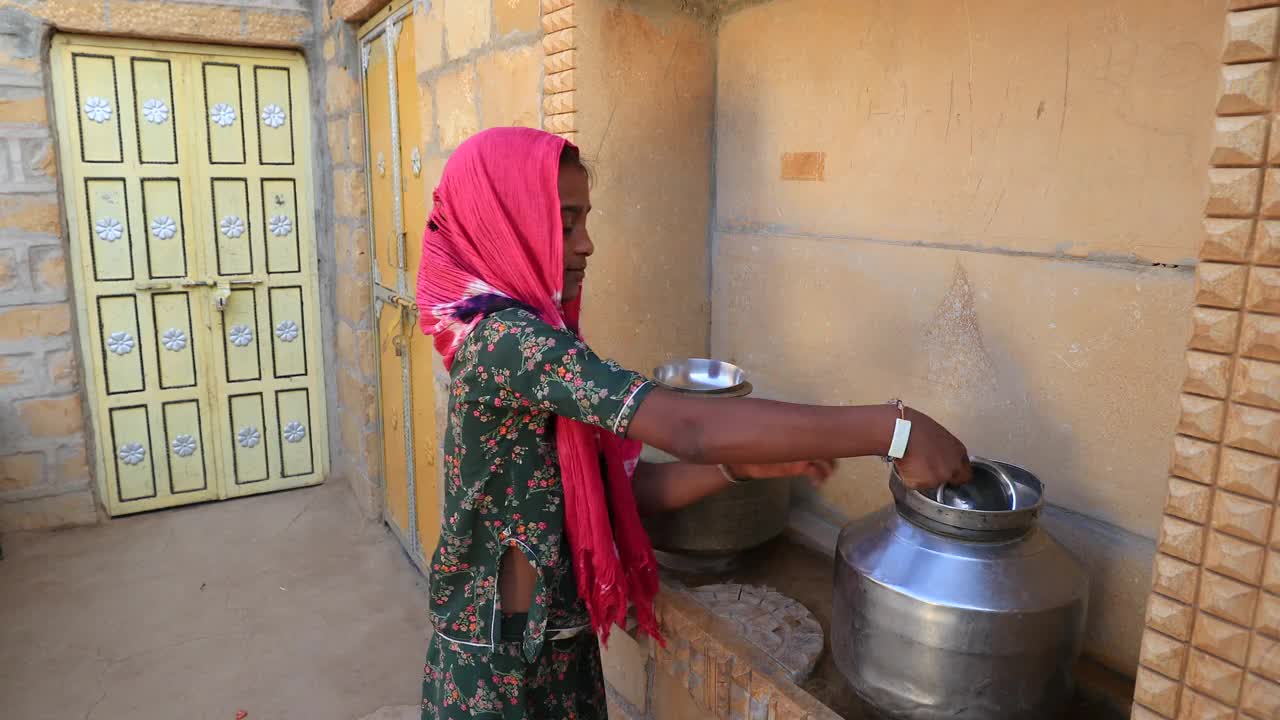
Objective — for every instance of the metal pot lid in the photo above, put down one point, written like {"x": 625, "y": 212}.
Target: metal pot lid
{"x": 1001, "y": 497}
{"x": 700, "y": 375}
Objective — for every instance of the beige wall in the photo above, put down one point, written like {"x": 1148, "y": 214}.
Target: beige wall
{"x": 644, "y": 98}
{"x": 45, "y": 441}
{"x": 996, "y": 188}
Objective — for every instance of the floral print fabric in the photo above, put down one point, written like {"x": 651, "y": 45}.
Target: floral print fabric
{"x": 510, "y": 379}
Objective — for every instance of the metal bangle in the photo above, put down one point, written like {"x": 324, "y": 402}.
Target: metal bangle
{"x": 729, "y": 476}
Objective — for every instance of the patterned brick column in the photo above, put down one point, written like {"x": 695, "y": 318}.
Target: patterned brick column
{"x": 1211, "y": 648}
{"x": 559, "y": 113}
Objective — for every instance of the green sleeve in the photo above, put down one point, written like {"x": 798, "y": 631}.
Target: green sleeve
{"x": 522, "y": 361}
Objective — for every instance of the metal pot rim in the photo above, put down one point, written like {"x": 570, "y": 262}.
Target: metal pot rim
{"x": 980, "y": 520}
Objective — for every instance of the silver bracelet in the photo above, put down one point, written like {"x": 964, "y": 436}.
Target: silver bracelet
{"x": 729, "y": 476}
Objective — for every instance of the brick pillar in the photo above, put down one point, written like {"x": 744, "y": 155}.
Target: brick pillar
{"x": 1211, "y": 647}
{"x": 558, "y": 102}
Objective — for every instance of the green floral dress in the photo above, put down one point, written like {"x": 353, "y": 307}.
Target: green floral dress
{"x": 510, "y": 378}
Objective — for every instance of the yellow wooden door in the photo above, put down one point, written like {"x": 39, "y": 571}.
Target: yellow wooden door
{"x": 186, "y": 176}
{"x": 400, "y": 183}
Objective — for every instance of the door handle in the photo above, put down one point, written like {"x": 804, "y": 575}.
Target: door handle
{"x": 153, "y": 285}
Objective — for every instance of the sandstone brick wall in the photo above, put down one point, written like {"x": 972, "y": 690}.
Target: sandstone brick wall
{"x": 45, "y": 476}
{"x": 478, "y": 64}
{"x": 706, "y": 671}
{"x": 1211, "y": 648}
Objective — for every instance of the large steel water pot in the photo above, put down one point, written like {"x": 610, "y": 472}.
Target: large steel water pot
{"x": 959, "y": 606}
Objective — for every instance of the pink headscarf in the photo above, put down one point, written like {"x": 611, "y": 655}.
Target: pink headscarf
{"x": 495, "y": 234}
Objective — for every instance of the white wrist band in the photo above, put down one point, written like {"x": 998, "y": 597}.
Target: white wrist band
{"x": 901, "y": 434}
{"x": 729, "y": 476}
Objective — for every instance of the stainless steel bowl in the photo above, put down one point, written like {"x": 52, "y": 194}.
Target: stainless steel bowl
{"x": 700, "y": 375}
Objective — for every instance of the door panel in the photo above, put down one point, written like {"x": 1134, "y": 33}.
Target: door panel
{"x": 196, "y": 277}
{"x": 399, "y": 173}
{"x": 395, "y": 462}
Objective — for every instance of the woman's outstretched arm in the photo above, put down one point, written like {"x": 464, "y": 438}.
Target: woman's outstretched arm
{"x": 732, "y": 431}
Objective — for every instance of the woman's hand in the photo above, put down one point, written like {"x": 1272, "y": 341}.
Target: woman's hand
{"x": 817, "y": 471}
{"x": 934, "y": 456}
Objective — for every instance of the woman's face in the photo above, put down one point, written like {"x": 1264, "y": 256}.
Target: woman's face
{"x": 575, "y": 205}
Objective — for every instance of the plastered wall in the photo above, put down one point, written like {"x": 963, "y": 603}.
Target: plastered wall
{"x": 989, "y": 213}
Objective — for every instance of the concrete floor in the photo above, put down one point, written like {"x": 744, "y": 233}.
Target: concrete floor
{"x": 282, "y": 606}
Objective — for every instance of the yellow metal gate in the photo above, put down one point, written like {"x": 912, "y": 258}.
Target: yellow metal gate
{"x": 187, "y": 179}
{"x": 399, "y": 200}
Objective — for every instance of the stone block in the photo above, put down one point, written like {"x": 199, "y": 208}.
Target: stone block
{"x": 1181, "y": 539}
{"x": 672, "y": 701}
{"x": 13, "y": 370}
{"x": 456, "y": 106}
{"x": 1260, "y": 697}
{"x": 558, "y": 82}
{"x": 355, "y": 137}
{"x": 27, "y": 106}
{"x": 559, "y": 20}
{"x": 1242, "y": 517}
{"x": 1201, "y": 417}
{"x": 1188, "y": 500}
{"x": 48, "y": 513}
{"x": 20, "y": 471}
{"x": 30, "y": 322}
{"x": 558, "y": 42}
{"x": 625, "y": 660}
{"x": 51, "y": 417}
{"x": 428, "y": 36}
{"x": 1250, "y": 35}
{"x": 467, "y": 25}
{"x": 1220, "y": 284}
{"x": 1249, "y": 474}
{"x": 516, "y": 15}
{"x": 89, "y": 15}
{"x": 357, "y": 10}
{"x": 356, "y": 349}
{"x": 1266, "y": 246}
{"x": 350, "y": 194}
{"x": 330, "y": 47}
{"x": 9, "y": 273}
{"x": 1156, "y": 692}
{"x": 186, "y": 21}
{"x": 1226, "y": 598}
{"x": 1234, "y": 558}
{"x": 1271, "y": 193}
{"x": 1214, "y": 677}
{"x": 71, "y": 468}
{"x": 1251, "y": 428}
{"x": 1221, "y": 638}
{"x": 1257, "y": 382}
{"x": 49, "y": 271}
{"x": 509, "y": 90}
{"x": 1264, "y": 290}
{"x": 1169, "y": 617}
{"x": 550, "y": 6}
{"x": 1163, "y": 653}
{"x": 1261, "y": 337}
{"x": 63, "y": 370}
{"x": 1199, "y": 707}
{"x": 1226, "y": 239}
{"x": 1175, "y": 578}
{"x": 1264, "y": 658}
{"x": 264, "y": 27}
{"x": 559, "y": 103}
{"x": 1267, "y": 621}
{"x": 560, "y": 62}
{"x": 1271, "y": 573}
{"x": 1245, "y": 89}
{"x": 1239, "y": 140}
{"x": 1194, "y": 459}
{"x": 1141, "y": 713}
{"x": 1207, "y": 374}
{"x": 355, "y": 299}
{"x": 1216, "y": 330}
{"x": 341, "y": 90}
{"x": 33, "y": 213}
{"x": 563, "y": 124}
{"x": 1249, "y": 4}
{"x": 336, "y": 135}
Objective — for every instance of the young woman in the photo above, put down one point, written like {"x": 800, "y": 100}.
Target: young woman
{"x": 541, "y": 547}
